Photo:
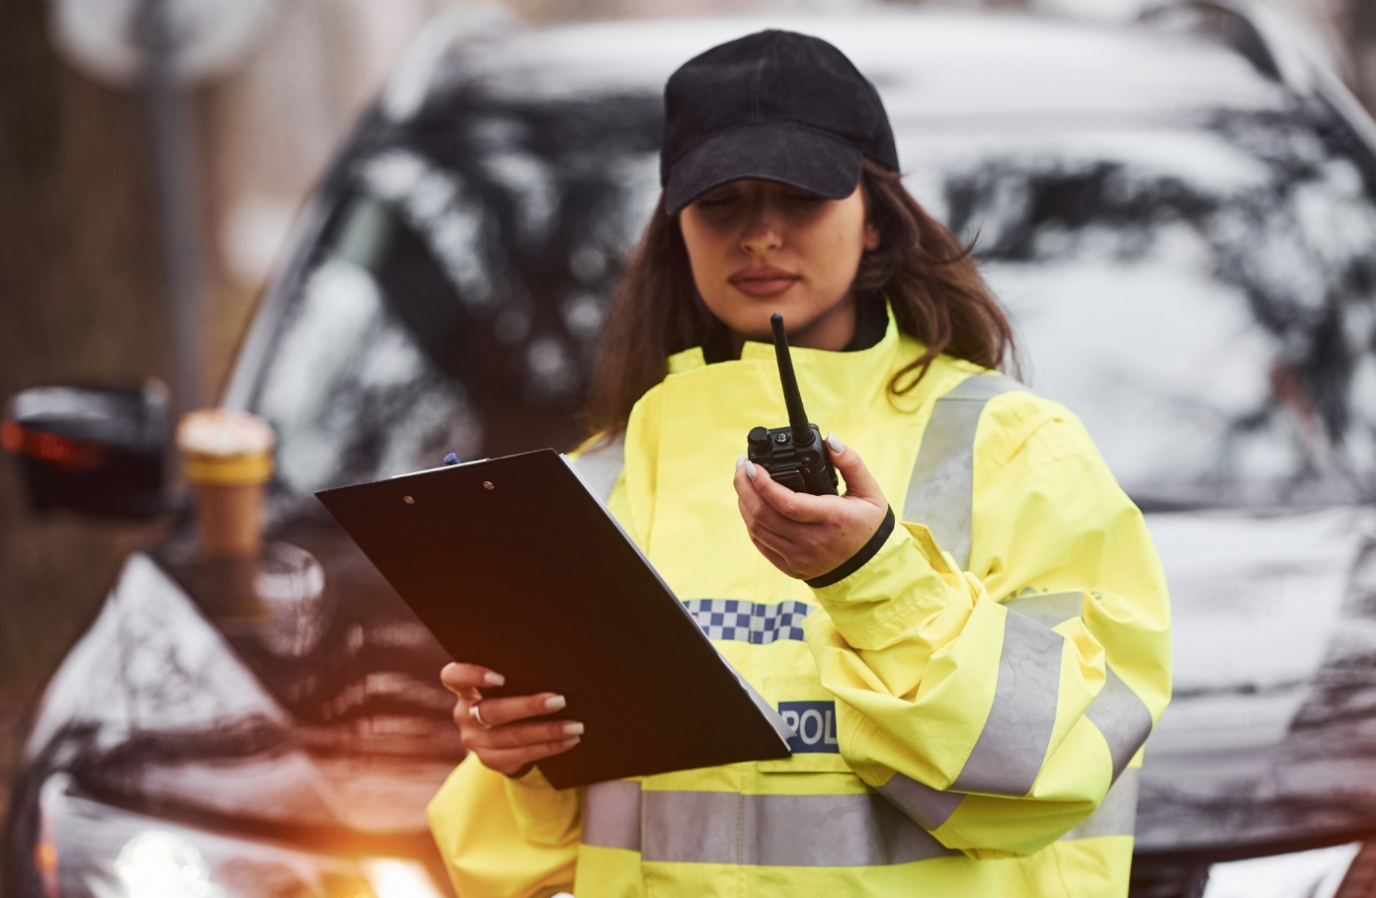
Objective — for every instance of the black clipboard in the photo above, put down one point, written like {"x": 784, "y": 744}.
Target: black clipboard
{"x": 514, "y": 564}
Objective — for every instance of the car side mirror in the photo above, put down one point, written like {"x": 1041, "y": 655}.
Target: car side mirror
{"x": 93, "y": 450}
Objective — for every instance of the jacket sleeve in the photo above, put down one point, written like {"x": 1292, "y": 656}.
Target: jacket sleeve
{"x": 505, "y": 838}
{"x": 513, "y": 838}
{"x": 996, "y": 707}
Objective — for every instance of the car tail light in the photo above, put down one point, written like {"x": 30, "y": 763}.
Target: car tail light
{"x": 64, "y": 452}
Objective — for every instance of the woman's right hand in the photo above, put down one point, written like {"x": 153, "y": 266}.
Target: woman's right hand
{"x": 510, "y": 742}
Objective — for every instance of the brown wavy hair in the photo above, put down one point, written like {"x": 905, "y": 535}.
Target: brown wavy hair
{"x": 931, "y": 281}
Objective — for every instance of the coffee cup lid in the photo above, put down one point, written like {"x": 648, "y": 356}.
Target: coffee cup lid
{"x": 225, "y": 447}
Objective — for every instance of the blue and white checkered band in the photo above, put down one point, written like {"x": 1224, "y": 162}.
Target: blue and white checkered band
{"x": 755, "y": 623}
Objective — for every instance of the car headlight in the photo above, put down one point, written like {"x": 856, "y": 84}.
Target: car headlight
{"x": 1317, "y": 873}
{"x": 87, "y": 849}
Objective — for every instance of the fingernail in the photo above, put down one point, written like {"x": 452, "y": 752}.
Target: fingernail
{"x": 570, "y": 743}
{"x": 493, "y": 679}
{"x": 555, "y": 703}
{"x": 740, "y": 461}
{"x": 750, "y": 470}
{"x": 834, "y": 444}
{"x": 573, "y": 728}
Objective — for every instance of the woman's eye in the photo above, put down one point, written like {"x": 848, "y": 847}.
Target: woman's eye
{"x": 716, "y": 202}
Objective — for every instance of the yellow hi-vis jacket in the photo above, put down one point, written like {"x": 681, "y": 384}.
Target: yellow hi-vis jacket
{"x": 969, "y": 705}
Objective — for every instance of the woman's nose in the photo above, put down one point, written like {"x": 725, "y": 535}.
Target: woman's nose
{"x": 761, "y": 233}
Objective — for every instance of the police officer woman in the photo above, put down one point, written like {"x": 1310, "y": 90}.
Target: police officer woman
{"x": 972, "y": 640}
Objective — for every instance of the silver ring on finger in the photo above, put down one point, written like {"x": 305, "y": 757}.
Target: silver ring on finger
{"x": 477, "y": 716}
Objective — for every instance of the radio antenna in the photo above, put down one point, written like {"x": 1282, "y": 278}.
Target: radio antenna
{"x": 793, "y": 399}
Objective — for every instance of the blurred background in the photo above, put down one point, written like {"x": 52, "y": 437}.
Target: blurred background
{"x": 84, "y": 284}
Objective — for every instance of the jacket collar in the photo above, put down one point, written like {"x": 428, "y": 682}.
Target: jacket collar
{"x": 693, "y": 358}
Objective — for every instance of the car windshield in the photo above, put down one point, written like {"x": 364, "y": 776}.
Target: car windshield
{"x": 1199, "y": 293}
{"x": 454, "y": 299}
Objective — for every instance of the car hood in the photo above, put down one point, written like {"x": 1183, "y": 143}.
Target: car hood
{"x": 1271, "y": 734}
{"x": 295, "y": 690}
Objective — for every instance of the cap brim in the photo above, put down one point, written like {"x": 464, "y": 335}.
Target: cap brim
{"x": 771, "y": 151}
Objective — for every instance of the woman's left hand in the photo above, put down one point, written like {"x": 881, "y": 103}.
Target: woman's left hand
{"x": 806, "y": 536}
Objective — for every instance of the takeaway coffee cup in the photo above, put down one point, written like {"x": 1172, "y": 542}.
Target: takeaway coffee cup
{"x": 228, "y": 459}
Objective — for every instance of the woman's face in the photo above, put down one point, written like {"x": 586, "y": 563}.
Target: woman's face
{"x": 759, "y": 247}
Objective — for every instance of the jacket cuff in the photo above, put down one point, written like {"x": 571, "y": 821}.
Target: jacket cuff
{"x": 877, "y": 601}
{"x": 860, "y": 558}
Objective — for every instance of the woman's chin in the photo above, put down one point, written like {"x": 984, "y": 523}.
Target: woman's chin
{"x": 748, "y": 316}
{"x": 757, "y": 327}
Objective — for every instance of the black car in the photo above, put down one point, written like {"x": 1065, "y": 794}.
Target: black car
{"x": 1180, "y": 216}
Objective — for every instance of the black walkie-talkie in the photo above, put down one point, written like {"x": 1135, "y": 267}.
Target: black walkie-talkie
{"x": 795, "y": 456}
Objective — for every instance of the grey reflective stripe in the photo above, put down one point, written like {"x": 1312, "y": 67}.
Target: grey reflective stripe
{"x": 1122, "y": 717}
{"x": 1116, "y": 814}
{"x": 611, "y": 815}
{"x": 763, "y": 830}
{"x": 1017, "y": 734}
{"x": 941, "y": 493}
{"x": 929, "y": 807}
{"x": 1049, "y": 608}
{"x": 692, "y": 827}
{"x": 600, "y": 466}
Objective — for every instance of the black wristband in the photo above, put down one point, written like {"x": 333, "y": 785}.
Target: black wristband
{"x": 859, "y": 559}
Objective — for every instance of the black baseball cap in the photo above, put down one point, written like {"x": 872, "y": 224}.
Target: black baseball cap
{"x": 774, "y": 105}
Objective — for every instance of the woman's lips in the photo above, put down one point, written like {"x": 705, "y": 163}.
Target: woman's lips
{"x": 763, "y": 281}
